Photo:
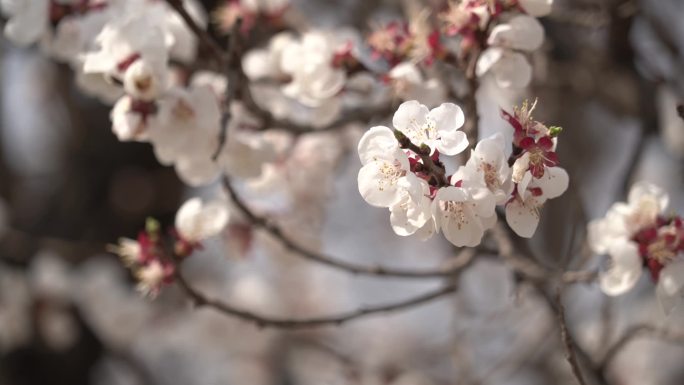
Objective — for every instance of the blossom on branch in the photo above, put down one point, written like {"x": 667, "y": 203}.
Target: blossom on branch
{"x": 637, "y": 235}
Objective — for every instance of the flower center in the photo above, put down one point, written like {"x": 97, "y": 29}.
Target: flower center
{"x": 490, "y": 176}
{"x": 183, "y": 111}
{"x": 454, "y": 211}
{"x": 390, "y": 173}
{"x": 421, "y": 133}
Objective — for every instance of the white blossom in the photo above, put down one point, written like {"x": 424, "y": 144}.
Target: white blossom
{"x": 309, "y": 63}
{"x": 413, "y": 210}
{"x": 462, "y": 214}
{"x": 197, "y": 221}
{"x": 385, "y": 173}
{"x": 522, "y": 211}
{"x": 644, "y": 203}
{"x": 503, "y": 59}
{"x": 488, "y": 167}
{"x": 409, "y": 84}
{"x": 438, "y": 128}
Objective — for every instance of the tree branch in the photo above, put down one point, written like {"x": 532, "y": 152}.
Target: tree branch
{"x": 297, "y": 323}
{"x": 364, "y": 114}
{"x": 456, "y": 264}
{"x": 206, "y": 39}
{"x": 635, "y": 332}
{"x": 568, "y": 343}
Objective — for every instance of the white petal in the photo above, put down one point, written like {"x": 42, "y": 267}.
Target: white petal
{"x": 648, "y": 190}
{"x": 536, "y": 8}
{"x": 487, "y": 60}
{"x": 625, "y": 269}
{"x": 670, "y": 285}
{"x": 196, "y": 221}
{"x": 447, "y": 117}
{"x": 379, "y": 141}
{"x": 553, "y": 183}
{"x": 452, "y": 142}
{"x": 513, "y": 70}
{"x": 522, "y": 32}
{"x": 257, "y": 64}
{"x": 408, "y": 114}
{"x": 523, "y": 218}
{"x": 374, "y": 189}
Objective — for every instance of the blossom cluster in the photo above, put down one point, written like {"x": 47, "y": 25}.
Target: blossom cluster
{"x": 132, "y": 54}
{"x": 153, "y": 257}
{"x": 639, "y": 235}
{"x": 402, "y": 170}
{"x": 497, "y": 34}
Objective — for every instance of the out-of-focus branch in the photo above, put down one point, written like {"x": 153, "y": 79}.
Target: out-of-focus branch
{"x": 296, "y": 323}
{"x": 531, "y": 270}
{"x": 364, "y": 114}
{"x": 635, "y": 332}
{"x": 455, "y": 265}
{"x": 230, "y": 61}
{"x": 233, "y": 74}
{"x": 568, "y": 343}
{"x": 216, "y": 51}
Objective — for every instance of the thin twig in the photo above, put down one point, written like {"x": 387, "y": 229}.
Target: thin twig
{"x": 455, "y": 265}
{"x": 635, "y": 332}
{"x": 233, "y": 74}
{"x": 296, "y": 323}
{"x": 362, "y": 114}
{"x": 568, "y": 343}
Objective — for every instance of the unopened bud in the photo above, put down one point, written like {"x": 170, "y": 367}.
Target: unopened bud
{"x": 152, "y": 226}
{"x": 554, "y": 131}
{"x": 404, "y": 142}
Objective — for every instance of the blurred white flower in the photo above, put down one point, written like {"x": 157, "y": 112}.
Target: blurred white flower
{"x": 197, "y": 221}
{"x": 503, "y": 57}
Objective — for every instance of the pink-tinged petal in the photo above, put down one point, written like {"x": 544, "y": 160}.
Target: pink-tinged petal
{"x": 670, "y": 286}
{"x": 522, "y": 218}
{"x": 551, "y": 159}
{"x": 526, "y": 143}
{"x": 545, "y": 143}
{"x": 537, "y": 170}
{"x": 517, "y": 127}
{"x": 625, "y": 268}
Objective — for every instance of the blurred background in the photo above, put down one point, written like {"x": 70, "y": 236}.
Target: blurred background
{"x": 610, "y": 73}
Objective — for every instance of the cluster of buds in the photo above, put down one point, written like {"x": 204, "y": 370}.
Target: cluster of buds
{"x": 536, "y": 175}
{"x": 403, "y": 171}
{"x": 398, "y": 42}
{"x": 154, "y": 256}
{"x": 638, "y": 236}
{"x": 150, "y": 257}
